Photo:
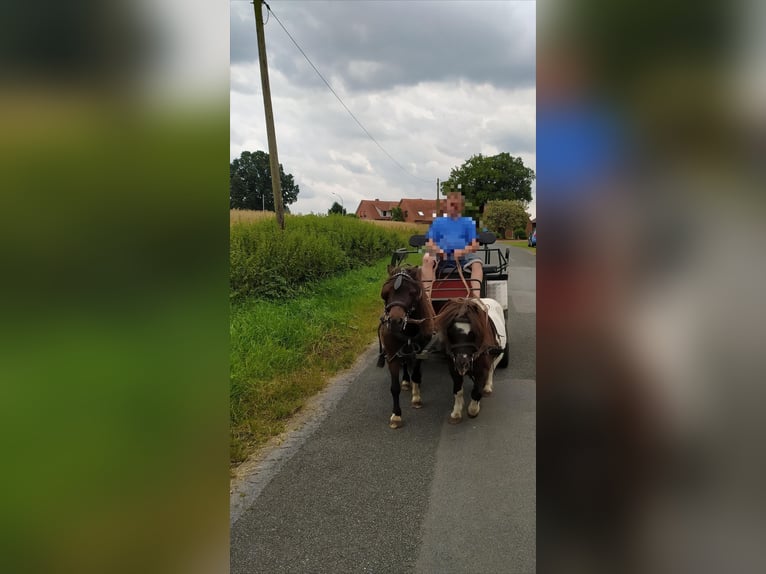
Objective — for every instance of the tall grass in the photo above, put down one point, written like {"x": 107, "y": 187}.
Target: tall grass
{"x": 305, "y": 302}
{"x": 283, "y": 352}
{"x": 248, "y": 215}
{"x": 269, "y": 263}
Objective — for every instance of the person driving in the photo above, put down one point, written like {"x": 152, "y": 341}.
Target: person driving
{"x": 452, "y": 241}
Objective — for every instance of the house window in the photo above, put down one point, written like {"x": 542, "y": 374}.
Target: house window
{"x": 433, "y": 215}
{"x": 420, "y": 213}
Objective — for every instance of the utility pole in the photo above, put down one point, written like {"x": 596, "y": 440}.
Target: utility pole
{"x": 437, "y": 198}
{"x": 276, "y": 184}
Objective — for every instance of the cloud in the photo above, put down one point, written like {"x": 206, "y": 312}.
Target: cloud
{"x": 432, "y": 86}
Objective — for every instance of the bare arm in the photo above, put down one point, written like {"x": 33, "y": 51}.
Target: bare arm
{"x": 471, "y": 248}
{"x": 432, "y": 247}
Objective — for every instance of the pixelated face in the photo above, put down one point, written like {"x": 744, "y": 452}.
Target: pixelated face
{"x": 454, "y": 204}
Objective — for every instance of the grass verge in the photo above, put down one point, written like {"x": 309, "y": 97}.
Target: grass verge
{"x": 282, "y": 353}
{"x": 520, "y": 243}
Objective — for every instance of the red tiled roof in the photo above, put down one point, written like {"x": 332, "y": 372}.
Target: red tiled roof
{"x": 421, "y": 210}
{"x": 413, "y": 210}
{"x": 369, "y": 209}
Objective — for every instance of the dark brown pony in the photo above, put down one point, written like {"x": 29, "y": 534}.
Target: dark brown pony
{"x": 468, "y": 335}
{"x": 405, "y": 328}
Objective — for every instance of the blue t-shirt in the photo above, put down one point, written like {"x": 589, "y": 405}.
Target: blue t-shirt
{"x": 451, "y": 234}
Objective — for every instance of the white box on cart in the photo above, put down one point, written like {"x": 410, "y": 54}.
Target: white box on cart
{"x": 498, "y": 290}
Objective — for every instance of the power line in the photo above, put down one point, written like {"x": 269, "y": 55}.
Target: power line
{"x": 341, "y": 101}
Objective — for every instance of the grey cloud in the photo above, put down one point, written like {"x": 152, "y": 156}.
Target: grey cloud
{"x": 515, "y": 143}
{"x": 395, "y": 43}
{"x": 243, "y": 45}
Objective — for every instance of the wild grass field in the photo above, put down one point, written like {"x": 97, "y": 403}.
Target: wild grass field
{"x": 304, "y": 303}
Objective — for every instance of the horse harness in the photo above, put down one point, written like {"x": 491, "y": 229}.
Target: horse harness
{"x": 478, "y": 352}
{"x": 410, "y": 347}
{"x": 408, "y": 309}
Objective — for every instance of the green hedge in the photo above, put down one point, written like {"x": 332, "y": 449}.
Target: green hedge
{"x": 266, "y": 262}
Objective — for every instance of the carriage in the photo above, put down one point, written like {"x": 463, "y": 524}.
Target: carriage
{"x": 452, "y": 325}
{"x": 494, "y": 284}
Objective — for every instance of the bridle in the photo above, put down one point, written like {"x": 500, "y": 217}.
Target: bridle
{"x": 471, "y": 357}
{"x": 397, "y": 278}
{"x": 475, "y": 354}
{"x": 409, "y": 347}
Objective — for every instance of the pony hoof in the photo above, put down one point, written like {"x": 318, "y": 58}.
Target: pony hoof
{"x": 395, "y": 422}
{"x": 487, "y": 392}
{"x": 455, "y": 421}
{"x": 417, "y": 405}
{"x": 405, "y": 386}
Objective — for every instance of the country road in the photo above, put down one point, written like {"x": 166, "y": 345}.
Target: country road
{"x": 344, "y": 493}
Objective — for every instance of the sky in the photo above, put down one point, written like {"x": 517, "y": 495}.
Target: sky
{"x": 433, "y": 83}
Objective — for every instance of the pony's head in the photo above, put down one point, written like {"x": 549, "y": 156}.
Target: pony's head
{"x": 462, "y": 326}
{"x": 402, "y": 293}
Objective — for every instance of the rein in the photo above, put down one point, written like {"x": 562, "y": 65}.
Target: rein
{"x": 460, "y": 272}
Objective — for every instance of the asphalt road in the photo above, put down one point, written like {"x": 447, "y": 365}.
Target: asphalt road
{"x": 347, "y": 494}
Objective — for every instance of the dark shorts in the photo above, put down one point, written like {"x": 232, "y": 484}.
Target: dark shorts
{"x": 445, "y": 266}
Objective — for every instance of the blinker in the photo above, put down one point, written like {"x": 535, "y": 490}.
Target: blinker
{"x": 398, "y": 283}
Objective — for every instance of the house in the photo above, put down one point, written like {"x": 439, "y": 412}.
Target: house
{"x": 531, "y": 225}
{"x": 413, "y": 210}
{"x": 421, "y": 210}
{"x": 375, "y": 209}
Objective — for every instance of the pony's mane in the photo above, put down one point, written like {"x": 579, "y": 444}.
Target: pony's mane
{"x": 466, "y": 309}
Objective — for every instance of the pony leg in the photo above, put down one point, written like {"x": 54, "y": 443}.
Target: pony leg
{"x": 417, "y": 402}
{"x": 395, "y": 421}
{"x": 488, "y": 385}
{"x": 481, "y": 375}
{"x": 405, "y": 377}
{"x": 456, "y": 415}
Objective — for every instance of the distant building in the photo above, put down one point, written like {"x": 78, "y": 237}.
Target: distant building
{"x": 421, "y": 210}
{"x": 375, "y": 209}
{"x": 531, "y": 225}
{"x": 413, "y": 210}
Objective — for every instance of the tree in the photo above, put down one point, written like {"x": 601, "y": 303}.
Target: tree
{"x": 505, "y": 215}
{"x": 396, "y": 214}
{"x": 482, "y": 179}
{"x": 250, "y": 183}
{"x": 336, "y": 208}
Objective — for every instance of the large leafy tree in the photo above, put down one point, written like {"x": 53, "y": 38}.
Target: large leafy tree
{"x": 250, "y": 183}
{"x": 486, "y": 178}
{"x": 505, "y": 215}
